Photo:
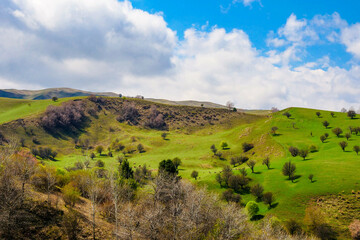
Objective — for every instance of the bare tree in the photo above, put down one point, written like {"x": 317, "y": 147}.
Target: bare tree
{"x": 96, "y": 193}
{"x": 229, "y": 105}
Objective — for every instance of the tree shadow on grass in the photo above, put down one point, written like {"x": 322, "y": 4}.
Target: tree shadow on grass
{"x": 273, "y": 205}
{"x": 313, "y": 181}
{"x": 257, "y": 217}
{"x": 276, "y": 134}
{"x": 257, "y": 172}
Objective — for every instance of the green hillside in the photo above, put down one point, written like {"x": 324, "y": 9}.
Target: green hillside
{"x": 334, "y": 170}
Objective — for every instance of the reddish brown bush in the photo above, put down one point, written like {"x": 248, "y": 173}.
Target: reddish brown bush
{"x": 354, "y": 228}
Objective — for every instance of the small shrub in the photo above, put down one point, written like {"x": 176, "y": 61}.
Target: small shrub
{"x": 252, "y": 208}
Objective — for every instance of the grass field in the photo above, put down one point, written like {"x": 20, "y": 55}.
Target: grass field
{"x": 12, "y": 109}
{"x": 334, "y": 170}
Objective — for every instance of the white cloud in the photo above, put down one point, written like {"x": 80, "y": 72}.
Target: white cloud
{"x": 350, "y": 37}
{"x": 110, "y": 46}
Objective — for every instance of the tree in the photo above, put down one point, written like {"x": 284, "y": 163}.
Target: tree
{"x": 236, "y": 182}
{"x": 140, "y": 148}
{"x": 287, "y": 114}
{"x": 223, "y": 145}
{"x": 229, "y": 105}
{"x": 337, "y": 131}
{"x": 347, "y": 135}
{"x": 25, "y": 167}
{"x": 229, "y": 196}
{"x": 70, "y": 194}
{"x": 167, "y": 166}
{"x": 343, "y": 145}
{"x": 289, "y": 170}
{"x": 266, "y": 162}
{"x": 322, "y": 138}
{"x": 125, "y": 170}
{"x": 326, "y": 135}
{"x": 294, "y": 151}
{"x": 357, "y": 149}
{"x": 343, "y": 110}
{"x": 257, "y": 190}
{"x": 332, "y": 114}
{"x": 303, "y": 153}
{"x": 92, "y": 156}
{"x": 268, "y": 198}
{"x": 318, "y": 114}
{"x": 311, "y": 176}
{"x": 164, "y": 135}
{"x": 351, "y": 114}
{"x": 213, "y": 149}
{"x": 252, "y": 208}
{"x": 177, "y": 162}
{"x": 99, "y": 149}
{"x": 45, "y": 180}
{"x": 251, "y": 165}
{"x": 100, "y": 163}
{"x": 273, "y": 130}
{"x": 274, "y": 109}
{"x": 247, "y": 146}
{"x": 194, "y": 174}
{"x": 54, "y": 99}
{"x": 96, "y": 192}
{"x": 325, "y": 124}
{"x": 223, "y": 177}
{"x": 234, "y": 161}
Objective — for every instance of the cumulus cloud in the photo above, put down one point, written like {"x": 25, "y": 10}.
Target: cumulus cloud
{"x": 350, "y": 37}
{"x": 110, "y": 46}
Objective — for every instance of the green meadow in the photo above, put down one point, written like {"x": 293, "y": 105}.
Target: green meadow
{"x": 334, "y": 170}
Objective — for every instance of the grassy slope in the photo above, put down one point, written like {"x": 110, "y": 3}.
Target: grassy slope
{"x": 334, "y": 170}
{"x": 12, "y": 109}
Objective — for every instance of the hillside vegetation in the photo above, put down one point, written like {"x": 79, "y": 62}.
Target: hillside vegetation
{"x": 190, "y": 132}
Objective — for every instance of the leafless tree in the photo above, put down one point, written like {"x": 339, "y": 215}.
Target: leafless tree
{"x": 230, "y": 105}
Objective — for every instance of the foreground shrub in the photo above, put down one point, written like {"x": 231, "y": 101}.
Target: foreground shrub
{"x": 252, "y": 208}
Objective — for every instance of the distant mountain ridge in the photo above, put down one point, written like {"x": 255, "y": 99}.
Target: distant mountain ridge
{"x": 49, "y": 93}
{"x": 70, "y": 92}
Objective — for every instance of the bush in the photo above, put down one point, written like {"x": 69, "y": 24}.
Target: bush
{"x": 322, "y": 138}
{"x": 229, "y": 196}
{"x": 354, "y": 228}
{"x": 252, "y": 208}
{"x": 129, "y": 113}
{"x": 69, "y": 114}
{"x": 100, "y": 164}
{"x": 167, "y": 166}
{"x": 155, "y": 119}
{"x": 293, "y": 227}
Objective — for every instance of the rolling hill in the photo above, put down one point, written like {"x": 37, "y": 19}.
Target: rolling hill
{"x": 192, "y": 130}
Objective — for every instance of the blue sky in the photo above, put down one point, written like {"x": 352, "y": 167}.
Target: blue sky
{"x": 257, "y": 19}
{"x": 256, "y": 53}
